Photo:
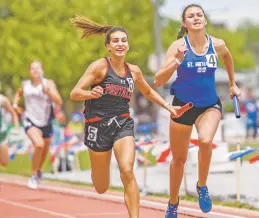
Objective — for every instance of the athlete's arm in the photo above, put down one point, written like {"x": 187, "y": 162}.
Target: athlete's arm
{"x": 7, "y": 105}
{"x": 52, "y": 92}
{"x": 94, "y": 73}
{"x": 174, "y": 56}
{"x": 17, "y": 98}
{"x": 59, "y": 114}
{"x": 149, "y": 93}
{"x": 226, "y": 56}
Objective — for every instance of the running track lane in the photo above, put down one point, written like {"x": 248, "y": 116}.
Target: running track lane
{"x": 21, "y": 202}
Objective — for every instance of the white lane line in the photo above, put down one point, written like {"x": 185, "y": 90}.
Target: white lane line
{"x": 101, "y": 214}
{"x": 35, "y": 209}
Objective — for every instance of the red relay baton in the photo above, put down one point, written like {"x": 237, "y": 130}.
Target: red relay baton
{"x": 182, "y": 110}
{"x": 254, "y": 159}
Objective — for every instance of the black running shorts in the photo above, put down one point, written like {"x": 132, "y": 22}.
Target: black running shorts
{"x": 47, "y": 131}
{"x": 102, "y": 134}
{"x": 190, "y": 116}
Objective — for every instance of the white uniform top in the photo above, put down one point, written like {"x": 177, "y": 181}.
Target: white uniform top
{"x": 4, "y": 116}
{"x": 38, "y": 106}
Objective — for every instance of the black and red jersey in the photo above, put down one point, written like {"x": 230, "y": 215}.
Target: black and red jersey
{"x": 117, "y": 92}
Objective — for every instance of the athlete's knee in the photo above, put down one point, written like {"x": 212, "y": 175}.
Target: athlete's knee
{"x": 4, "y": 162}
{"x": 101, "y": 189}
{"x": 205, "y": 141}
{"x": 39, "y": 145}
{"x": 101, "y": 185}
{"x": 178, "y": 161}
{"x": 127, "y": 175}
{"x": 205, "y": 146}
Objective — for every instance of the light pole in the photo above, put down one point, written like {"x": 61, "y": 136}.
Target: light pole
{"x": 157, "y": 39}
{"x": 157, "y": 34}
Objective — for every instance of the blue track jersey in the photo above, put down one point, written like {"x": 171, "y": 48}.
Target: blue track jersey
{"x": 195, "y": 80}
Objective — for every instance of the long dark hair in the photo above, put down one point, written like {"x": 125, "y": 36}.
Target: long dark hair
{"x": 182, "y": 31}
{"x": 88, "y": 27}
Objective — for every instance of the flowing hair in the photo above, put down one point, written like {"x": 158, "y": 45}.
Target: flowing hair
{"x": 88, "y": 27}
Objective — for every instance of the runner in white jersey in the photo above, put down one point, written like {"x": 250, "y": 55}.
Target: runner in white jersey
{"x": 38, "y": 105}
{"x": 5, "y": 127}
{"x": 39, "y": 96}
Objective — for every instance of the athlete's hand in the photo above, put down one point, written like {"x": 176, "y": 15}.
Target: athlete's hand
{"x": 181, "y": 51}
{"x": 19, "y": 110}
{"x": 96, "y": 92}
{"x": 173, "y": 110}
{"x": 45, "y": 88}
{"x": 181, "y": 110}
{"x": 234, "y": 90}
{"x": 60, "y": 116}
{"x": 15, "y": 131}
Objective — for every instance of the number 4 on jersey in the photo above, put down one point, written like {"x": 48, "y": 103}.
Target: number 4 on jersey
{"x": 211, "y": 60}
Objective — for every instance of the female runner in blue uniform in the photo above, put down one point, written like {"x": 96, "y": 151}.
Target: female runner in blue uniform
{"x": 108, "y": 125}
{"x": 195, "y": 56}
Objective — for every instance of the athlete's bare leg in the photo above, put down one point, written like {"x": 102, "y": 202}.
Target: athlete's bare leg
{"x": 206, "y": 125}
{"x": 100, "y": 165}
{"x": 4, "y": 157}
{"x": 45, "y": 151}
{"x": 35, "y": 136}
{"x": 179, "y": 141}
{"x": 124, "y": 150}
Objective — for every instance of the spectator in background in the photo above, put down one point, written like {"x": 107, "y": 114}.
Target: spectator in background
{"x": 252, "y": 113}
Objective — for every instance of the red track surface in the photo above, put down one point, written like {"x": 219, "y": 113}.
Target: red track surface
{"x": 72, "y": 201}
{"x": 21, "y": 202}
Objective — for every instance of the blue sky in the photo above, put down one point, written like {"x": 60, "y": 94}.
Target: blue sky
{"x": 230, "y": 11}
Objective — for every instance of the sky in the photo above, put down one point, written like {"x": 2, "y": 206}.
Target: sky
{"x": 232, "y": 12}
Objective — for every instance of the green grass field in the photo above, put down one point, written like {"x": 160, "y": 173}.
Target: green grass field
{"x": 21, "y": 164}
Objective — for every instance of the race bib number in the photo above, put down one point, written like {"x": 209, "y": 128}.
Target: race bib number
{"x": 92, "y": 133}
{"x": 211, "y": 60}
{"x": 131, "y": 84}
